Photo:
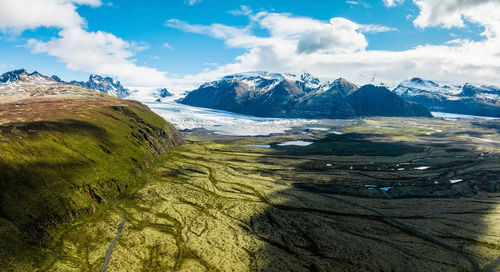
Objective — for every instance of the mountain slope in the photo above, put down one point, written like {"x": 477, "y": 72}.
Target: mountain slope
{"x": 278, "y": 101}
{"x": 66, "y": 152}
{"x": 327, "y": 102}
{"x": 286, "y": 95}
{"x": 371, "y": 100}
{"x": 465, "y": 99}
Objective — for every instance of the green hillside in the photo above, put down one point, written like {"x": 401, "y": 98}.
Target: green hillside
{"x": 62, "y": 158}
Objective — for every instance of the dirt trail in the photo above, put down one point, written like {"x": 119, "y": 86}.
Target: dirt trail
{"x": 120, "y": 227}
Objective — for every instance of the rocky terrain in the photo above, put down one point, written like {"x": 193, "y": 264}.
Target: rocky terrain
{"x": 66, "y": 153}
{"x": 462, "y": 99}
{"x": 286, "y": 95}
{"x": 104, "y": 84}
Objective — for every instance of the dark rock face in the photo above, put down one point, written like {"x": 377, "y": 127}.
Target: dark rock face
{"x": 12, "y": 76}
{"x": 328, "y": 102}
{"x": 278, "y": 101}
{"x": 370, "y": 100}
{"x": 104, "y": 85}
{"x": 56, "y": 78}
{"x": 275, "y": 95}
{"x": 164, "y": 93}
{"x": 466, "y": 99}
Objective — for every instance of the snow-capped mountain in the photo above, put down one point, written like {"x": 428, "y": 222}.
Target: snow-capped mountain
{"x": 416, "y": 86}
{"x": 287, "y": 95}
{"x": 34, "y": 78}
{"x": 12, "y": 76}
{"x": 21, "y": 84}
{"x": 462, "y": 99}
{"x": 164, "y": 93}
{"x": 104, "y": 85}
{"x": 264, "y": 81}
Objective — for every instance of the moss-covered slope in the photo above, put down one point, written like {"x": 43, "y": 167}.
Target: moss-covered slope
{"x": 64, "y": 157}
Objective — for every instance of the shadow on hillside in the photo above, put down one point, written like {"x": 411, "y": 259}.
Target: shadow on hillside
{"x": 350, "y": 144}
{"x": 71, "y": 126}
{"x": 38, "y": 167}
{"x": 431, "y": 227}
{"x": 488, "y": 124}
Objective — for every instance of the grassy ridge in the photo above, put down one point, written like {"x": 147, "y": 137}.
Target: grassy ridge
{"x": 64, "y": 158}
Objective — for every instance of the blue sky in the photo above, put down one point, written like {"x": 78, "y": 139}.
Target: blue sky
{"x": 194, "y": 55}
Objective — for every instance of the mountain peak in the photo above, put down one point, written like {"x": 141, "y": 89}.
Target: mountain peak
{"x": 417, "y": 86}
{"x": 22, "y": 74}
{"x": 12, "y": 76}
{"x": 164, "y": 93}
{"x": 253, "y": 75}
{"x": 105, "y": 85}
{"x": 97, "y": 78}
{"x": 341, "y": 80}
{"x": 35, "y": 73}
{"x": 417, "y": 80}
{"x": 309, "y": 78}
{"x": 21, "y": 71}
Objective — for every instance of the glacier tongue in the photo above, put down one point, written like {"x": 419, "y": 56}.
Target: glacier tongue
{"x": 186, "y": 117}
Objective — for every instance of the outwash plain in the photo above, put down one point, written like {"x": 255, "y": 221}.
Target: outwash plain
{"x": 377, "y": 194}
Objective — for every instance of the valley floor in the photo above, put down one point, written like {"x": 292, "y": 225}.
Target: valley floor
{"x": 378, "y": 195}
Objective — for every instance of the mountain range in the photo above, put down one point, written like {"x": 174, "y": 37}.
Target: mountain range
{"x": 105, "y": 85}
{"x": 462, "y": 99}
{"x": 300, "y": 96}
{"x": 287, "y": 95}
{"x": 16, "y": 75}
{"x": 95, "y": 82}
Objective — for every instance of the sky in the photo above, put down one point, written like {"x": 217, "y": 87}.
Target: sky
{"x": 181, "y": 43}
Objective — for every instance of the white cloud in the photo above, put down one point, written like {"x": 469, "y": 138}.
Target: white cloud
{"x": 376, "y": 28}
{"x": 18, "y": 15}
{"x": 98, "y": 52}
{"x": 192, "y": 2}
{"x": 357, "y": 2}
{"x": 338, "y": 48}
{"x": 393, "y": 3}
{"x": 306, "y": 36}
{"x": 167, "y": 45}
{"x": 454, "y": 13}
{"x": 218, "y": 31}
{"x": 95, "y": 52}
{"x": 243, "y": 10}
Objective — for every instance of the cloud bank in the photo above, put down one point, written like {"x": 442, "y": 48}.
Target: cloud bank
{"x": 95, "y": 52}
{"x": 338, "y": 47}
